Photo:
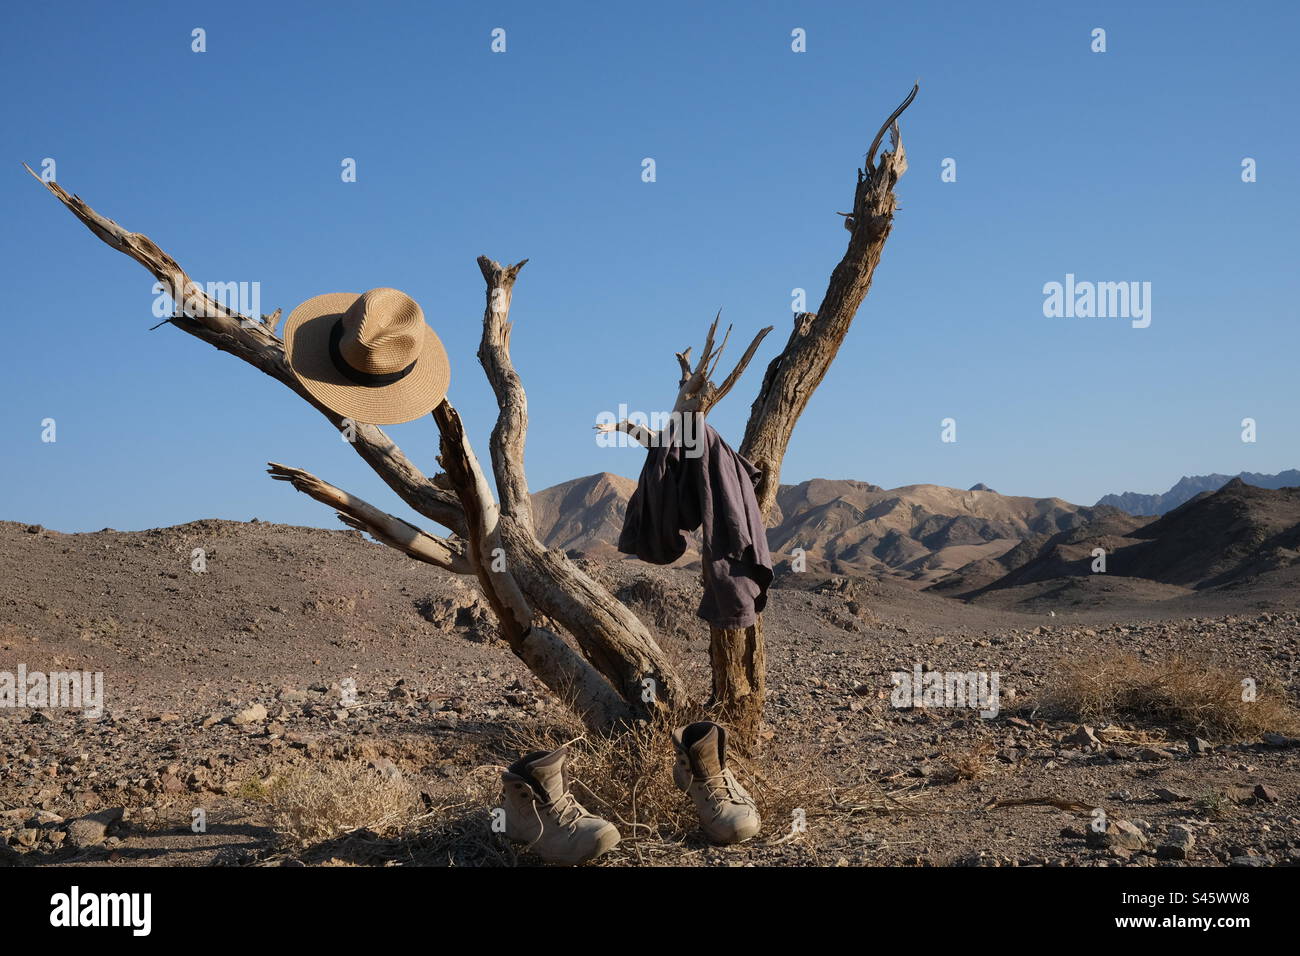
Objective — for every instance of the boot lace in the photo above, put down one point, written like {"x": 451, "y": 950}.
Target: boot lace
{"x": 567, "y": 810}
{"x": 721, "y": 788}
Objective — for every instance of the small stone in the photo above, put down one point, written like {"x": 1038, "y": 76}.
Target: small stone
{"x": 254, "y": 714}
{"x": 1266, "y": 793}
{"x": 387, "y": 770}
{"x": 1153, "y": 754}
{"x": 1119, "y": 834}
{"x": 1199, "y": 746}
{"x": 1170, "y": 795}
{"x": 92, "y": 829}
{"x": 1082, "y": 737}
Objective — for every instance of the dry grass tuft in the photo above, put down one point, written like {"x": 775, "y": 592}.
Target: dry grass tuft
{"x": 324, "y": 801}
{"x": 627, "y": 779}
{"x": 347, "y": 813}
{"x": 1179, "y": 693}
{"x": 970, "y": 764}
{"x": 624, "y": 777}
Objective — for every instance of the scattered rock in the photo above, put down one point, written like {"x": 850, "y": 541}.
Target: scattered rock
{"x": 1265, "y": 793}
{"x": 1082, "y": 737}
{"x": 92, "y": 829}
{"x": 1154, "y": 753}
{"x": 1117, "y": 834}
{"x": 254, "y": 714}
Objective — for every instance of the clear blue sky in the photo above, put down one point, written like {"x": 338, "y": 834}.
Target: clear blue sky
{"x": 1115, "y": 166}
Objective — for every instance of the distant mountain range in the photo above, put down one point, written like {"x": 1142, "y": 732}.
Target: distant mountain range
{"x": 918, "y": 532}
{"x": 982, "y": 546}
{"x": 1189, "y": 487}
{"x": 1237, "y": 536}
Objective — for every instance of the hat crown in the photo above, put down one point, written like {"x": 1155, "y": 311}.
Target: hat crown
{"x": 383, "y": 332}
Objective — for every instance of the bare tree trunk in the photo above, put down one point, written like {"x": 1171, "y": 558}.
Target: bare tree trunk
{"x": 738, "y": 657}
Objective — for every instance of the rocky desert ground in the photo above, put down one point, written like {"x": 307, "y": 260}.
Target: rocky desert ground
{"x": 315, "y": 698}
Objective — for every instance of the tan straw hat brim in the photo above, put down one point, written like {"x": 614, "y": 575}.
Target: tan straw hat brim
{"x": 306, "y": 340}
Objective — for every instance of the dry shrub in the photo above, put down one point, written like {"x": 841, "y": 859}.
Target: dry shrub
{"x": 321, "y": 801}
{"x": 968, "y": 764}
{"x": 1181, "y": 693}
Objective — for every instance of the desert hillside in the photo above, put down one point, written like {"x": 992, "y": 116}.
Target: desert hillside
{"x": 303, "y": 660}
{"x": 1242, "y": 541}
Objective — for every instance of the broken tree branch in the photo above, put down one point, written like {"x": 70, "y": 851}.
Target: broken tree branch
{"x": 380, "y": 525}
{"x": 257, "y": 344}
{"x": 511, "y": 430}
{"x": 793, "y": 376}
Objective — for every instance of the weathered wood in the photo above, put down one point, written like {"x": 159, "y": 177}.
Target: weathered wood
{"x": 545, "y": 653}
{"x": 614, "y": 639}
{"x": 795, "y": 373}
{"x": 383, "y": 527}
{"x": 696, "y": 392}
{"x": 738, "y": 658}
{"x": 511, "y": 429}
{"x": 611, "y": 637}
{"x": 559, "y": 667}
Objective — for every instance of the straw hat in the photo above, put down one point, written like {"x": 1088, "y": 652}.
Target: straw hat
{"x": 368, "y": 357}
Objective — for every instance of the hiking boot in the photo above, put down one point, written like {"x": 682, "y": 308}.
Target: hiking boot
{"x": 727, "y": 811}
{"x": 542, "y": 812}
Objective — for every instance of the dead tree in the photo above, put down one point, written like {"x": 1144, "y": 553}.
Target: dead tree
{"x": 618, "y": 672}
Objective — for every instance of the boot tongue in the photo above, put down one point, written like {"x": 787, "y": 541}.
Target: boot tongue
{"x": 708, "y": 753}
{"x": 547, "y": 775}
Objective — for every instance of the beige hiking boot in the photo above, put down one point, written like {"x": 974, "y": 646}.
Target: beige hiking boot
{"x": 727, "y": 811}
{"x": 542, "y": 812}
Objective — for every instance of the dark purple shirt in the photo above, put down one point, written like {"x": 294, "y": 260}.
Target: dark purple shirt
{"x": 693, "y": 479}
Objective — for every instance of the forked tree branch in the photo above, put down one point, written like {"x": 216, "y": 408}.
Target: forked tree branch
{"x": 534, "y": 581}
{"x": 696, "y": 391}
